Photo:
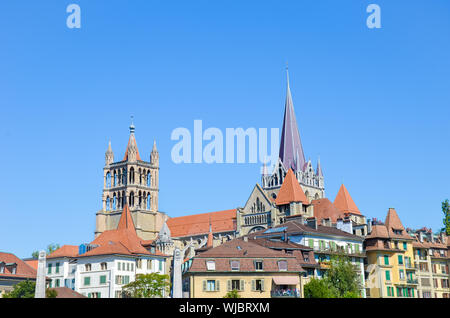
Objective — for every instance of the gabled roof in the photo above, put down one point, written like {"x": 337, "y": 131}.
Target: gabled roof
{"x": 198, "y": 224}
{"x": 324, "y": 208}
{"x": 65, "y": 251}
{"x": 290, "y": 191}
{"x": 23, "y": 270}
{"x": 344, "y": 201}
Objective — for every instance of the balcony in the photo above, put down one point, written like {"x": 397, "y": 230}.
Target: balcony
{"x": 285, "y": 293}
{"x": 325, "y": 264}
{"x": 412, "y": 281}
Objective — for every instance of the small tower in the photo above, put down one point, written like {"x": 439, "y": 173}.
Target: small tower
{"x": 154, "y": 156}
{"x": 109, "y": 155}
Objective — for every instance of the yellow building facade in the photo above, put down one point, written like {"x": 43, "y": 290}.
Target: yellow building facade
{"x": 390, "y": 260}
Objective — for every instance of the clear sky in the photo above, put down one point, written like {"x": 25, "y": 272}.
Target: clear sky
{"x": 372, "y": 103}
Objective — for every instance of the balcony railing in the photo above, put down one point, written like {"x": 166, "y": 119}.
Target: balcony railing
{"x": 413, "y": 281}
{"x": 285, "y": 293}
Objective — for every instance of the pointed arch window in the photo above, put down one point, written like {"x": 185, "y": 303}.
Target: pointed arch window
{"x": 149, "y": 179}
{"x": 114, "y": 202}
{"x": 108, "y": 180}
{"x": 108, "y": 204}
{"x": 115, "y": 178}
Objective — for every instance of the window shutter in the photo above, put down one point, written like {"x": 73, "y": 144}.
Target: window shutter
{"x": 217, "y": 285}
{"x": 241, "y": 285}
{"x": 204, "y": 285}
{"x": 228, "y": 285}
{"x": 253, "y": 285}
{"x": 262, "y": 285}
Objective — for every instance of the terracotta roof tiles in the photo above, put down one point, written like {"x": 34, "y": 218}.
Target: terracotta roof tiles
{"x": 290, "y": 191}
{"x": 344, "y": 201}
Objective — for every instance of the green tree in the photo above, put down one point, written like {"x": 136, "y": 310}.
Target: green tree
{"x": 343, "y": 277}
{"x": 232, "y": 294}
{"x": 50, "y": 249}
{"x": 340, "y": 281}
{"x": 23, "y": 289}
{"x": 318, "y": 288}
{"x": 446, "y": 220}
{"x": 26, "y": 289}
{"x": 148, "y": 286}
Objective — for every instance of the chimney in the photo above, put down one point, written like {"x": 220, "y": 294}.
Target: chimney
{"x": 312, "y": 222}
{"x": 421, "y": 237}
{"x": 285, "y": 238}
{"x": 369, "y": 226}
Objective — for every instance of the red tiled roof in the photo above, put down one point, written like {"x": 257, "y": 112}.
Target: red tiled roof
{"x": 324, "y": 208}
{"x": 65, "y": 251}
{"x": 290, "y": 191}
{"x": 23, "y": 270}
{"x": 64, "y": 292}
{"x": 222, "y": 221}
{"x": 246, "y": 252}
{"x": 32, "y": 262}
{"x": 393, "y": 223}
{"x": 344, "y": 201}
{"x": 123, "y": 240}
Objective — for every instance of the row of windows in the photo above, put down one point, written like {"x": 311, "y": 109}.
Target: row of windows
{"x": 87, "y": 280}
{"x": 142, "y": 200}
{"x": 407, "y": 260}
{"x": 121, "y": 178}
{"x": 401, "y": 274}
{"x": 235, "y": 265}
{"x": 212, "y": 285}
{"x": 333, "y": 246}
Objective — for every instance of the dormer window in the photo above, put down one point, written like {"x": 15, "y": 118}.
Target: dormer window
{"x": 235, "y": 265}
{"x": 211, "y": 265}
{"x": 88, "y": 267}
{"x": 282, "y": 265}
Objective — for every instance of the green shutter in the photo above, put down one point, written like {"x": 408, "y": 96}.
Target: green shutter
{"x": 311, "y": 243}
{"x": 262, "y": 285}
{"x": 400, "y": 260}
{"x": 217, "y": 285}
{"x": 357, "y": 248}
{"x": 386, "y": 260}
{"x": 57, "y": 267}
{"x": 388, "y": 275}
{"x": 253, "y": 285}
{"x": 204, "y": 285}
{"x": 49, "y": 269}
{"x": 103, "y": 279}
{"x": 87, "y": 281}
{"x": 229, "y": 285}
{"x": 241, "y": 285}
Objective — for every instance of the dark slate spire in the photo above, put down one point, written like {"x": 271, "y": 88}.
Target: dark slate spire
{"x": 291, "y": 150}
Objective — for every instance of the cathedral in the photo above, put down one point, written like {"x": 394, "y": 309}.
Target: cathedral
{"x": 292, "y": 189}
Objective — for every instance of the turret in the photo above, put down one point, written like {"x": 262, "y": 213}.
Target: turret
{"x": 154, "y": 156}
{"x": 109, "y": 155}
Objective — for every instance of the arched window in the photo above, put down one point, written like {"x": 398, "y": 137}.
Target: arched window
{"x": 114, "y": 202}
{"x": 108, "y": 204}
{"x": 124, "y": 176}
{"x": 149, "y": 179}
{"x": 132, "y": 175}
{"x": 148, "y": 201}
{"x": 115, "y": 178}
{"x": 131, "y": 200}
{"x": 108, "y": 180}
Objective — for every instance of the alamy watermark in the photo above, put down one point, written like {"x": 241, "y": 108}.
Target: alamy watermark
{"x": 220, "y": 147}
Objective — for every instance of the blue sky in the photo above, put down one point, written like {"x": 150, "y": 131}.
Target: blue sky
{"x": 372, "y": 103}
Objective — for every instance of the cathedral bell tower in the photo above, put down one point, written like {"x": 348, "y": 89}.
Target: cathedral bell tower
{"x": 135, "y": 182}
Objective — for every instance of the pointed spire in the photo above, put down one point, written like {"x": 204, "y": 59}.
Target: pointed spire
{"x": 164, "y": 235}
{"x": 291, "y": 191}
{"x": 109, "y": 155}
{"x": 344, "y": 201}
{"x": 126, "y": 221}
{"x": 291, "y": 150}
{"x": 154, "y": 146}
{"x": 319, "y": 168}
{"x": 132, "y": 146}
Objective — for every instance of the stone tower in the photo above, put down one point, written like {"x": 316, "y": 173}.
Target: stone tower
{"x": 135, "y": 182}
{"x": 291, "y": 156}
